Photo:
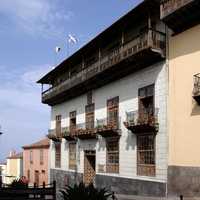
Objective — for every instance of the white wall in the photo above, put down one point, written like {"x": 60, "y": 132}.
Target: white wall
{"x": 127, "y": 90}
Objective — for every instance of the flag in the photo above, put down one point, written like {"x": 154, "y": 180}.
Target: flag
{"x": 72, "y": 39}
{"x": 57, "y": 49}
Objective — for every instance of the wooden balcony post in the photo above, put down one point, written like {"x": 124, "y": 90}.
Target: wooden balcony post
{"x": 42, "y": 88}
{"x": 99, "y": 60}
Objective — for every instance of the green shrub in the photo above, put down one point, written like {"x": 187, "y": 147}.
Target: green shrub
{"x": 84, "y": 192}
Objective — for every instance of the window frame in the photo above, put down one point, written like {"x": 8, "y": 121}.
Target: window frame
{"x": 41, "y": 156}
{"x": 31, "y": 157}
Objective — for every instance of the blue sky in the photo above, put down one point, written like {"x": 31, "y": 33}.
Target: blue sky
{"x": 29, "y": 32}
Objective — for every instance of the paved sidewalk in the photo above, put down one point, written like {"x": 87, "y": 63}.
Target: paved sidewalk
{"x": 132, "y": 197}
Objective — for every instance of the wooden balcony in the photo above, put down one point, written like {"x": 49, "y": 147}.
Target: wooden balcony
{"x": 82, "y": 132}
{"x": 66, "y": 134}
{"x": 142, "y": 123}
{"x": 180, "y": 15}
{"x": 52, "y": 135}
{"x": 145, "y": 49}
{"x": 108, "y": 128}
{"x": 196, "y": 89}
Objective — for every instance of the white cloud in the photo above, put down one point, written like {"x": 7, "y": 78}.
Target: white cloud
{"x": 36, "y": 17}
{"x": 19, "y": 89}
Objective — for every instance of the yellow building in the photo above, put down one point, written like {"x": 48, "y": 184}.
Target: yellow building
{"x": 14, "y": 167}
{"x": 182, "y": 19}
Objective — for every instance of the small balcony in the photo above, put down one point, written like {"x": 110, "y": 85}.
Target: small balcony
{"x": 145, "y": 49}
{"x": 85, "y": 131}
{"x": 180, "y": 15}
{"x": 66, "y": 134}
{"x": 139, "y": 123}
{"x": 53, "y": 135}
{"x": 107, "y": 127}
{"x": 196, "y": 90}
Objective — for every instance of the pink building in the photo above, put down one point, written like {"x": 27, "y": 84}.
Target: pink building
{"x": 36, "y": 162}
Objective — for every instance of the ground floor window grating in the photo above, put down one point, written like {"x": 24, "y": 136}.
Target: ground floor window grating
{"x": 146, "y": 155}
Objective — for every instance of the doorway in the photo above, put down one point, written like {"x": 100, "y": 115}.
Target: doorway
{"x": 89, "y": 166}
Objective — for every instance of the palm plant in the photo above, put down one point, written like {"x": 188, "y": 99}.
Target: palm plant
{"x": 84, "y": 192}
{"x": 18, "y": 184}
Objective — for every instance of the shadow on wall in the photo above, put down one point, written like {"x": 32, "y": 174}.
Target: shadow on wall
{"x": 195, "y": 108}
{"x": 102, "y": 144}
{"x": 130, "y": 141}
{"x": 185, "y": 46}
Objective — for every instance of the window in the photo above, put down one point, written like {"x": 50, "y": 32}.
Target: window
{"x": 146, "y": 103}
{"x": 146, "y": 155}
{"x": 89, "y": 110}
{"x": 58, "y": 155}
{"x": 28, "y": 175}
{"x": 58, "y": 125}
{"x": 72, "y": 123}
{"x": 112, "y": 109}
{"x": 41, "y": 156}
{"x": 112, "y": 165}
{"x": 31, "y": 157}
{"x": 72, "y": 156}
{"x": 89, "y": 97}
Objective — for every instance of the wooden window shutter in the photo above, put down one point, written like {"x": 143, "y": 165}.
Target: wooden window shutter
{"x": 72, "y": 156}
{"x": 113, "y": 111}
{"x": 89, "y": 114}
{"x": 58, "y": 125}
{"x": 89, "y": 97}
{"x": 72, "y": 123}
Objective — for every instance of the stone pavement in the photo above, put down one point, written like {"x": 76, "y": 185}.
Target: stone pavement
{"x": 132, "y": 197}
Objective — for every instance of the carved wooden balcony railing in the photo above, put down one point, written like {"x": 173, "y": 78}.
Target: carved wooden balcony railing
{"x": 142, "y": 123}
{"x": 108, "y": 127}
{"x": 52, "y": 135}
{"x": 146, "y": 48}
{"x": 196, "y": 89}
{"x": 180, "y": 14}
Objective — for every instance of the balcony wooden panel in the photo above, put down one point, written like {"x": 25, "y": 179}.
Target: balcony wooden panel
{"x": 196, "y": 90}
{"x": 180, "y": 15}
{"x": 138, "y": 124}
{"x": 144, "y": 50}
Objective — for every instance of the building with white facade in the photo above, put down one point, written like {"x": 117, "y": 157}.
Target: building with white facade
{"x": 109, "y": 108}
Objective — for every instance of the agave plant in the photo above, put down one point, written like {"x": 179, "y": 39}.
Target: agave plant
{"x": 84, "y": 192}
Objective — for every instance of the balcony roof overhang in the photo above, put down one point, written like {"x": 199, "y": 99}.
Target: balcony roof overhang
{"x": 139, "y": 11}
{"x": 182, "y": 18}
{"x": 117, "y": 71}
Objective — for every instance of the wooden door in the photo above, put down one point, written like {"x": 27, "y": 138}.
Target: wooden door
{"x": 37, "y": 179}
{"x": 89, "y": 167}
